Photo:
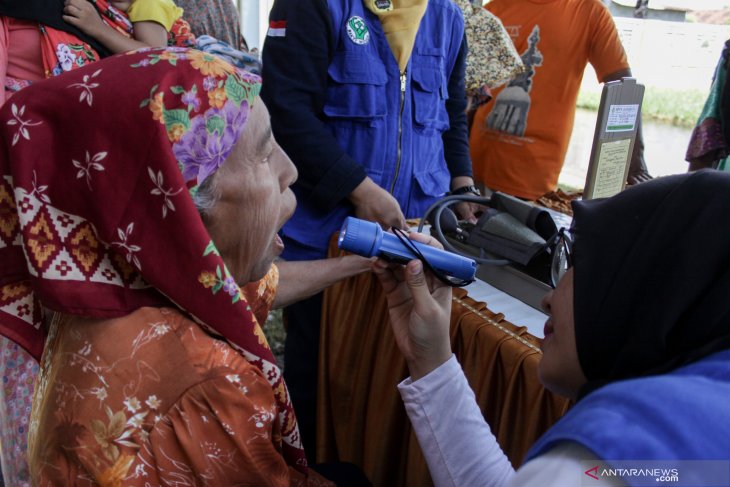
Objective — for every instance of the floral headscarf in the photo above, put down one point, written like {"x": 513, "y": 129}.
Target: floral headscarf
{"x": 95, "y": 215}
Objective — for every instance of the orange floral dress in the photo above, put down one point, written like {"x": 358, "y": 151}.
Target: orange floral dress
{"x": 107, "y": 412}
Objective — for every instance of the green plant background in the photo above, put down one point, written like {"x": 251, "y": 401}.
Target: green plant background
{"x": 681, "y": 108}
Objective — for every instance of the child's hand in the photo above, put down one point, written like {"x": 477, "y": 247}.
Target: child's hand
{"x": 82, "y": 15}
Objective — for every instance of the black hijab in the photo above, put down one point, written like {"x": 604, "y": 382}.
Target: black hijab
{"x": 652, "y": 277}
{"x": 50, "y": 13}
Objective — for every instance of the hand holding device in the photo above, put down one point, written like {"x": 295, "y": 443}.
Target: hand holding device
{"x": 375, "y": 204}
{"x": 368, "y": 239}
{"x": 419, "y": 307}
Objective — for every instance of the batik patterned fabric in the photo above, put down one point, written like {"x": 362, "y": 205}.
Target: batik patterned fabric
{"x": 63, "y": 52}
{"x": 260, "y": 294}
{"x": 13, "y": 85}
{"x": 240, "y": 58}
{"x": 215, "y": 18}
{"x": 492, "y": 59}
{"x": 18, "y": 371}
{"x": 707, "y": 145}
{"x": 101, "y": 225}
{"x": 180, "y": 34}
{"x": 202, "y": 415}
{"x": 60, "y": 52}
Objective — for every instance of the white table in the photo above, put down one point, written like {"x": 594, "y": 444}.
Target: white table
{"x": 514, "y": 310}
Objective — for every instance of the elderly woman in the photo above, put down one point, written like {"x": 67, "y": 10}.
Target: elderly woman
{"x": 638, "y": 334}
{"x": 137, "y": 194}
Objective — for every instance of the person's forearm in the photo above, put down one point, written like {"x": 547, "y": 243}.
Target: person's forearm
{"x": 456, "y": 139}
{"x": 459, "y": 447}
{"x": 461, "y": 181}
{"x": 301, "y": 279}
{"x": 114, "y": 41}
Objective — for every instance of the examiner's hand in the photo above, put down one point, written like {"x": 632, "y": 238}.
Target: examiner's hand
{"x": 375, "y": 204}
{"x": 419, "y": 306}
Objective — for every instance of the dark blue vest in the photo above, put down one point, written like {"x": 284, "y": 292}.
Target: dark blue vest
{"x": 395, "y": 134}
{"x": 683, "y": 415}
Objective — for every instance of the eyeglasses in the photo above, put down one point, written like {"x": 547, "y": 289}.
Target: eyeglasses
{"x": 562, "y": 259}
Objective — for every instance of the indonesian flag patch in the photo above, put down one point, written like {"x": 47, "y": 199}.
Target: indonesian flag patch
{"x": 277, "y": 28}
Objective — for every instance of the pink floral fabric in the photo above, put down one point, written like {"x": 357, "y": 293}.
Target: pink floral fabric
{"x": 18, "y": 370}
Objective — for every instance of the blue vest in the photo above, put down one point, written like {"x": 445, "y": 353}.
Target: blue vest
{"x": 395, "y": 134}
{"x": 683, "y": 415}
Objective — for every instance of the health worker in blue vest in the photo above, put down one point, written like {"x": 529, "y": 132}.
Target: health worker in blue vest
{"x": 638, "y": 334}
{"x": 367, "y": 99}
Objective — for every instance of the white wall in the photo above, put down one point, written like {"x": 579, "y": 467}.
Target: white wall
{"x": 664, "y": 54}
{"x": 669, "y": 54}
{"x": 254, "y": 20}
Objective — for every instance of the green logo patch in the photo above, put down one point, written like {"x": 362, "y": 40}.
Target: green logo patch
{"x": 357, "y": 30}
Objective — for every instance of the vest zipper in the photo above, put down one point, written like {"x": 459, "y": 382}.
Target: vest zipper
{"x": 400, "y": 128}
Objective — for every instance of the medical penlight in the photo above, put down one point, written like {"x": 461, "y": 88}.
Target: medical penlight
{"x": 368, "y": 239}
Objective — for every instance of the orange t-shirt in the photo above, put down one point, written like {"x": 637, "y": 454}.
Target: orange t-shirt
{"x": 519, "y": 139}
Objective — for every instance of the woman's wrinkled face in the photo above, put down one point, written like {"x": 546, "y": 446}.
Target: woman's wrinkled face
{"x": 255, "y": 200}
{"x": 559, "y": 369}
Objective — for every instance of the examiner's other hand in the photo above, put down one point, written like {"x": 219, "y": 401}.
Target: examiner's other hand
{"x": 638, "y": 177}
{"x": 375, "y": 204}
{"x": 467, "y": 211}
{"x": 419, "y": 306}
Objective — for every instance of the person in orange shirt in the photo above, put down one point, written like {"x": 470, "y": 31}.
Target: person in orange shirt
{"x": 519, "y": 139}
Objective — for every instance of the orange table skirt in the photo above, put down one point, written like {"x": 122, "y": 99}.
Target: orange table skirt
{"x": 361, "y": 418}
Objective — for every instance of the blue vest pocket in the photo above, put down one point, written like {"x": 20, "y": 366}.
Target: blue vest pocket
{"x": 429, "y": 109}
{"x": 434, "y": 181}
{"x": 356, "y": 87}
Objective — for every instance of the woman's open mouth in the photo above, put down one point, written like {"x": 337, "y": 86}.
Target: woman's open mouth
{"x": 548, "y": 329}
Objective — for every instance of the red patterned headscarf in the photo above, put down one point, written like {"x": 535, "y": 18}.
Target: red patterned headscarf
{"x": 96, "y": 218}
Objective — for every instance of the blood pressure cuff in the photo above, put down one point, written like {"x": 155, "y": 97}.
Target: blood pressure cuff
{"x": 513, "y": 229}
{"x": 533, "y": 217}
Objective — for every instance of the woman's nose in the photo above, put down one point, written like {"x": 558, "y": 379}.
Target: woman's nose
{"x": 545, "y": 303}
